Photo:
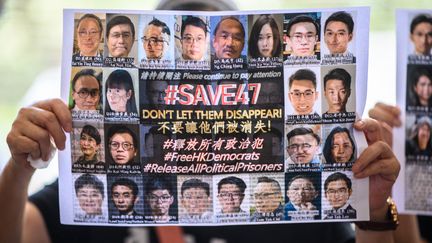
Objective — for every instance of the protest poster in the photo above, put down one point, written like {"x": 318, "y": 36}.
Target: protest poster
{"x": 412, "y": 143}
{"x": 211, "y": 118}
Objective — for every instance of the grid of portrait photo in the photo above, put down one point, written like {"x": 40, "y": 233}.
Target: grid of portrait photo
{"x": 205, "y": 119}
{"x": 418, "y": 110}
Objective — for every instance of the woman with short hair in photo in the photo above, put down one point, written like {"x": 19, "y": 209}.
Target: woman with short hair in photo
{"x": 419, "y": 142}
{"x": 89, "y": 141}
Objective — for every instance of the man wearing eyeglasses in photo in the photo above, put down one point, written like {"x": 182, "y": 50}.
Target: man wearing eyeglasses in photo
{"x": 194, "y": 39}
{"x": 231, "y": 192}
{"x": 338, "y": 189}
{"x": 120, "y": 36}
{"x": 156, "y": 39}
{"x": 267, "y": 196}
{"x": 303, "y": 146}
{"x": 89, "y": 191}
{"x": 196, "y": 201}
{"x": 302, "y": 33}
{"x": 303, "y": 92}
{"x": 122, "y": 146}
{"x": 86, "y": 88}
{"x": 89, "y": 36}
{"x": 159, "y": 198}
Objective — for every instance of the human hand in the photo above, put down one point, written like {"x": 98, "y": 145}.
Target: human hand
{"x": 35, "y": 126}
{"x": 389, "y": 117}
{"x": 378, "y": 163}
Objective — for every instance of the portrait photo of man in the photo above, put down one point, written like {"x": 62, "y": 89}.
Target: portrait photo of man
{"x": 228, "y": 38}
{"x": 154, "y": 97}
{"x": 303, "y": 93}
{"x": 86, "y": 90}
{"x": 124, "y": 195}
{"x": 120, "y": 36}
{"x": 302, "y": 35}
{"x": 90, "y": 194}
{"x": 267, "y": 200}
{"x": 194, "y": 39}
{"x": 421, "y": 34}
{"x": 272, "y": 145}
{"x": 88, "y": 35}
{"x": 122, "y": 145}
{"x": 302, "y": 194}
{"x": 337, "y": 191}
{"x": 230, "y": 194}
{"x": 271, "y": 93}
{"x": 338, "y": 33}
{"x": 303, "y": 146}
{"x": 156, "y": 39}
{"x": 160, "y": 198}
{"x": 337, "y": 90}
{"x": 153, "y": 140}
{"x": 195, "y": 202}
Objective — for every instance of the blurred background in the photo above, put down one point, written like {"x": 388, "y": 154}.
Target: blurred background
{"x": 31, "y": 47}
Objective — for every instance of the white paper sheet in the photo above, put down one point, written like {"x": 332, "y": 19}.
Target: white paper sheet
{"x": 216, "y": 150}
{"x": 412, "y": 190}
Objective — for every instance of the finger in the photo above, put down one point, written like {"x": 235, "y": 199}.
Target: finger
{"x": 47, "y": 120}
{"x": 61, "y": 111}
{"x": 371, "y": 128}
{"x": 375, "y": 151}
{"x": 20, "y": 146}
{"x": 390, "y": 108}
{"x": 22, "y": 126}
{"x": 385, "y": 167}
{"x": 386, "y": 113}
{"x": 387, "y": 133}
{"x": 41, "y": 137}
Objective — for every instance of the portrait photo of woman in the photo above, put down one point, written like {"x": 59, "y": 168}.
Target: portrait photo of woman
{"x": 265, "y": 38}
{"x": 420, "y": 87}
{"x": 120, "y": 93}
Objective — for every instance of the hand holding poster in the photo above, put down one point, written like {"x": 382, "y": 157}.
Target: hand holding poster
{"x": 213, "y": 118}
